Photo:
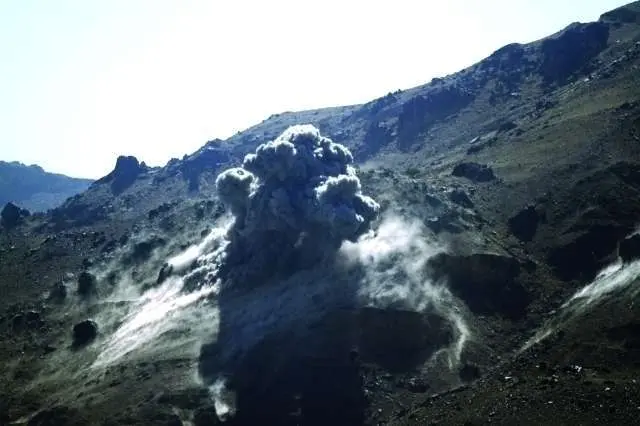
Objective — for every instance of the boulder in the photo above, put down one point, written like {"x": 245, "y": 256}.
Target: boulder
{"x": 525, "y": 223}
{"x": 84, "y": 332}
{"x": 474, "y": 172}
{"x": 12, "y": 215}
{"x": 399, "y": 340}
{"x": 580, "y": 255}
{"x": 461, "y": 198}
{"x": 486, "y": 282}
{"x": 87, "y": 284}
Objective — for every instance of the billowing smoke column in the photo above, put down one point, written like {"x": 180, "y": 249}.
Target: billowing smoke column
{"x": 295, "y": 200}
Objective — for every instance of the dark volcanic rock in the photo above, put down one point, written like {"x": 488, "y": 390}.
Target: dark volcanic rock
{"x": 12, "y": 215}
{"x": 571, "y": 50}
{"x": 474, "y": 172}
{"x": 164, "y": 273}
{"x": 87, "y": 284}
{"x": 525, "y": 224}
{"x": 461, "y": 198}
{"x": 630, "y": 248}
{"x": 610, "y": 211}
{"x": 399, "y": 340}
{"x": 124, "y": 174}
{"x": 84, "y": 332}
{"x": 508, "y": 64}
{"x": 485, "y": 282}
{"x": 583, "y": 256}
{"x": 378, "y": 136}
{"x": 421, "y": 112}
{"x": 469, "y": 373}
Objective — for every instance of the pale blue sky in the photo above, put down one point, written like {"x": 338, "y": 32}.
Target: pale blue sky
{"x": 82, "y": 81}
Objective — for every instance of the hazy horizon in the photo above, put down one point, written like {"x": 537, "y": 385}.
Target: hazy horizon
{"x": 83, "y": 82}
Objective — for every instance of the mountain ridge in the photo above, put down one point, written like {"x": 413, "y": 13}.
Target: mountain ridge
{"x": 509, "y": 197}
{"x": 31, "y": 187}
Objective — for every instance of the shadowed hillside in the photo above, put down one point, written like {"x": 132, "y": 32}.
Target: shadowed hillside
{"x": 32, "y": 188}
{"x": 463, "y": 252}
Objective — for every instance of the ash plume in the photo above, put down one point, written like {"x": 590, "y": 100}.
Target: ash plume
{"x": 295, "y": 200}
{"x": 299, "y": 257}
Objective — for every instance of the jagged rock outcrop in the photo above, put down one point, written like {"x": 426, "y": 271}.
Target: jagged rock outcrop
{"x": 124, "y": 174}
{"x": 571, "y": 50}
{"x": 421, "y": 112}
{"x": 377, "y": 137}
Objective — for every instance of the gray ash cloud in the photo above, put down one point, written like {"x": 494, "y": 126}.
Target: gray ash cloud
{"x": 295, "y": 200}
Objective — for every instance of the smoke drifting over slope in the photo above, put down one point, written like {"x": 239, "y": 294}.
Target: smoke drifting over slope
{"x": 294, "y": 201}
{"x": 393, "y": 261}
{"x": 301, "y": 263}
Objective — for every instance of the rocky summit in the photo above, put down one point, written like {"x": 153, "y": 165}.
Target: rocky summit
{"x": 464, "y": 252}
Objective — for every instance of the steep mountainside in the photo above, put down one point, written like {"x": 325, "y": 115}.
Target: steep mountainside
{"x": 32, "y": 188}
{"x": 500, "y": 284}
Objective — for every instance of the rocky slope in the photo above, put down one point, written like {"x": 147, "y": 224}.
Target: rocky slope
{"x": 32, "y": 188}
{"x": 505, "y": 190}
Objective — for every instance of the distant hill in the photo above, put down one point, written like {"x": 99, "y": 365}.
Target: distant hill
{"x": 32, "y": 188}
